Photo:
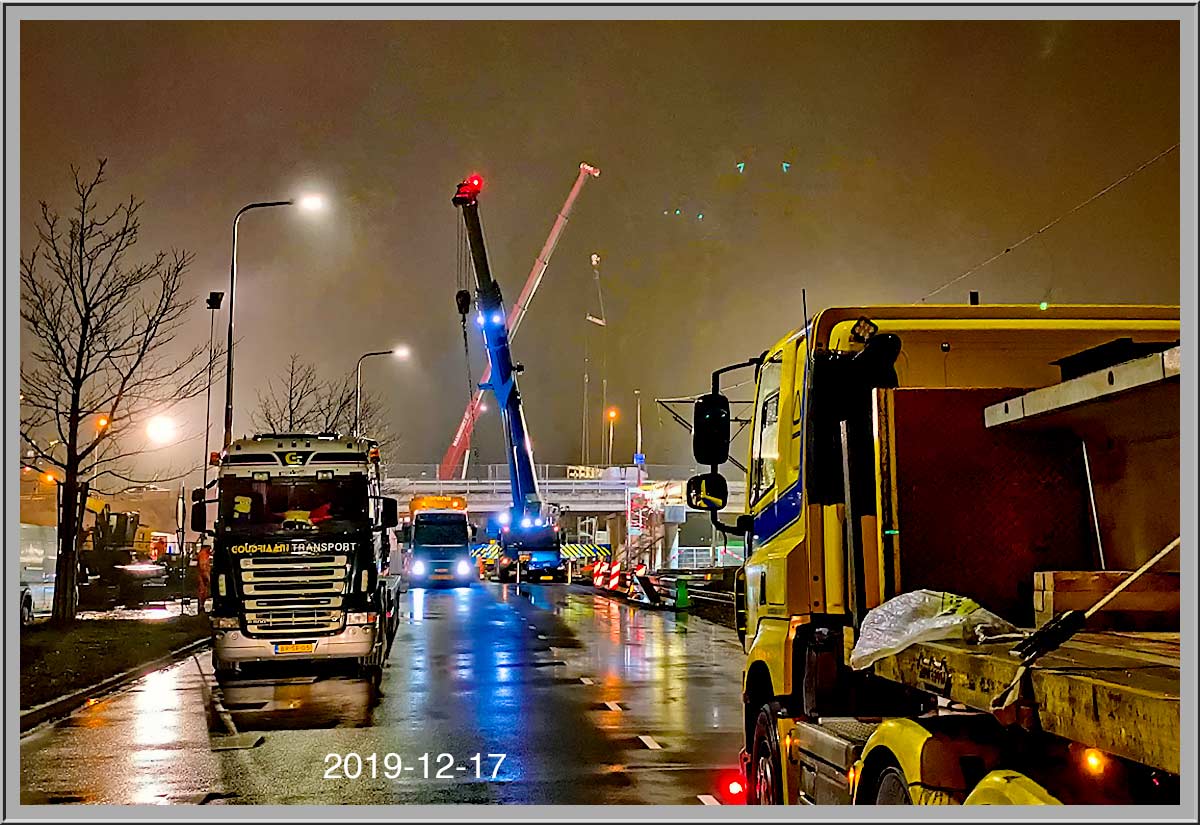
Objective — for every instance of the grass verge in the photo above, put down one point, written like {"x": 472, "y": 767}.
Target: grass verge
{"x": 56, "y": 661}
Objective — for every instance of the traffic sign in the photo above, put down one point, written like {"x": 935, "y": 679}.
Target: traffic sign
{"x": 639, "y": 458}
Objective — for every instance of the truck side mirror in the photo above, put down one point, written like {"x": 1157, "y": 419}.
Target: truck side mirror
{"x": 199, "y": 516}
{"x": 198, "y": 494}
{"x": 391, "y": 512}
{"x": 708, "y": 492}
{"x": 710, "y": 429}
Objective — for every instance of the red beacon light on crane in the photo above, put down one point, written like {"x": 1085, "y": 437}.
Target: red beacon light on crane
{"x": 468, "y": 190}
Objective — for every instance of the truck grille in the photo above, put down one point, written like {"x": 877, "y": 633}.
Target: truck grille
{"x": 288, "y": 595}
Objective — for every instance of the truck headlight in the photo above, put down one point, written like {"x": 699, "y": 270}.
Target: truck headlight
{"x": 418, "y": 568}
{"x": 464, "y": 568}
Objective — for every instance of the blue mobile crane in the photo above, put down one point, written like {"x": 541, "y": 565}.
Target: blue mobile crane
{"x": 530, "y": 545}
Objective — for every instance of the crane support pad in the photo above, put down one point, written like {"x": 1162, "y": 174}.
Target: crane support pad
{"x": 1118, "y": 692}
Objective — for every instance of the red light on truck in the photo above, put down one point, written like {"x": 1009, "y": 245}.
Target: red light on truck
{"x": 735, "y": 787}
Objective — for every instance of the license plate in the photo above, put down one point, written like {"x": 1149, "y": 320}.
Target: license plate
{"x": 301, "y": 647}
{"x": 442, "y": 576}
{"x": 547, "y": 578}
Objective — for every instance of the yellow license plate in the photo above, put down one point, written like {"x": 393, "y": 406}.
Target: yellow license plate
{"x": 303, "y": 647}
{"x": 547, "y": 578}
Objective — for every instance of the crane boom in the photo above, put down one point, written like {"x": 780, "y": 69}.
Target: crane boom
{"x": 456, "y": 452}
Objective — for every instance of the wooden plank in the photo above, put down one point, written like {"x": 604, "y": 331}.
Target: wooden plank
{"x": 1102, "y": 690}
{"x": 1150, "y": 602}
{"x": 1102, "y": 582}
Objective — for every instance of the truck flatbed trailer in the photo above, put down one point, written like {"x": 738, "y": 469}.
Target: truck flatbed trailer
{"x": 1115, "y": 691}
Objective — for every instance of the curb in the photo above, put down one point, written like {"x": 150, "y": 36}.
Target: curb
{"x": 64, "y": 705}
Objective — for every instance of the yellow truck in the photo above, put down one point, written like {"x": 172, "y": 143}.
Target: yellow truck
{"x": 1020, "y": 458}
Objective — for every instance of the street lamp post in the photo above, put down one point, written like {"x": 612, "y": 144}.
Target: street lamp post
{"x": 213, "y": 304}
{"x": 309, "y": 202}
{"x": 612, "y": 420}
{"x": 400, "y": 352}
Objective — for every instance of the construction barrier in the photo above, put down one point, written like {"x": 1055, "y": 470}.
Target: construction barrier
{"x": 599, "y": 573}
{"x": 614, "y": 576}
{"x": 583, "y": 552}
{"x": 573, "y": 552}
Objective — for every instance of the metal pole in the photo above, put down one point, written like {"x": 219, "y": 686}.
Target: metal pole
{"x": 357, "y": 393}
{"x": 1087, "y": 469}
{"x": 212, "y": 322}
{"x": 604, "y": 400}
{"x": 637, "y": 394}
{"x": 229, "y": 338}
{"x": 611, "y": 421}
{"x": 358, "y": 383}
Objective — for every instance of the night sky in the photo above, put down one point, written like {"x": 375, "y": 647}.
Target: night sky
{"x": 916, "y": 150}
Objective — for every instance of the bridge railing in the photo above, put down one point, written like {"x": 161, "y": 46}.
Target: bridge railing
{"x": 499, "y": 472}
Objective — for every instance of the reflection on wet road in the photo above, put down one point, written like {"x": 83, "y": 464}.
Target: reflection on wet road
{"x": 590, "y": 700}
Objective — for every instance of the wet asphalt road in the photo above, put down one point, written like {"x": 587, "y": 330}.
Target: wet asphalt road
{"x": 590, "y": 701}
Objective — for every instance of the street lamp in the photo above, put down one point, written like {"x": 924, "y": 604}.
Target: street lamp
{"x": 213, "y": 303}
{"x": 612, "y": 420}
{"x": 161, "y": 430}
{"x": 309, "y": 203}
{"x": 402, "y": 352}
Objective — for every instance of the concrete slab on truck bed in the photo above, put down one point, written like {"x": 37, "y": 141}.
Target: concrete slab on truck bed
{"x": 1118, "y": 692}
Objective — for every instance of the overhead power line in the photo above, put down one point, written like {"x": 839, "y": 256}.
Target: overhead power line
{"x": 1064, "y": 215}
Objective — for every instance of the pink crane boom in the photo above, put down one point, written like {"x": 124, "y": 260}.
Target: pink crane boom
{"x": 456, "y": 453}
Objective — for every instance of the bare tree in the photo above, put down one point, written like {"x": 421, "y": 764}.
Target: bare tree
{"x": 101, "y": 361}
{"x": 290, "y": 402}
{"x": 298, "y": 400}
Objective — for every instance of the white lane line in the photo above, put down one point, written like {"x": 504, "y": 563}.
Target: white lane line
{"x": 612, "y": 706}
{"x": 586, "y": 680}
{"x": 650, "y": 743}
{"x": 708, "y": 799}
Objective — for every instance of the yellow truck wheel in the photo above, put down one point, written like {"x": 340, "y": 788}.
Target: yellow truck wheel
{"x": 765, "y": 771}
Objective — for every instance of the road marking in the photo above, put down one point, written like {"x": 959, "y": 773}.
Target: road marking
{"x": 708, "y": 799}
{"x": 650, "y": 743}
{"x": 586, "y": 680}
{"x": 612, "y": 706}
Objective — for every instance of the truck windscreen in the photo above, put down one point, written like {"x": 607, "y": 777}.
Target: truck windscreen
{"x": 300, "y": 504}
{"x": 440, "y": 528}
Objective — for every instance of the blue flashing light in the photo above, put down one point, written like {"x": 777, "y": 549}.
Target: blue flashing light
{"x": 526, "y": 522}
{"x": 497, "y": 318}
{"x": 479, "y": 318}
{"x": 537, "y": 522}
{"x": 504, "y": 518}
